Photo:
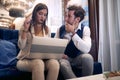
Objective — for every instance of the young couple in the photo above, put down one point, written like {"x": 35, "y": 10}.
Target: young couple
{"x": 76, "y": 53}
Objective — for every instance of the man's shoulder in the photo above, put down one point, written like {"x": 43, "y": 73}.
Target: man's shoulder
{"x": 62, "y": 27}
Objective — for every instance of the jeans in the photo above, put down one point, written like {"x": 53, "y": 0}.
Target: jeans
{"x": 83, "y": 61}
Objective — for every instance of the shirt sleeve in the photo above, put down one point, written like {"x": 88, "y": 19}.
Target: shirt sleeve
{"x": 57, "y": 33}
{"x": 49, "y": 32}
{"x": 84, "y": 43}
{"x": 21, "y": 42}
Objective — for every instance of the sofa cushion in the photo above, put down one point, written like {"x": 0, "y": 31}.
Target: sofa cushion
{"x": 8, "y": 54}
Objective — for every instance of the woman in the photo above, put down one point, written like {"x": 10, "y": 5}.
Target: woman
{"x": 36, "y": 27}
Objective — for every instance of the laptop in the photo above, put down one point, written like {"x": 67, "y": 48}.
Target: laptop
{"x": 47, "y": 48}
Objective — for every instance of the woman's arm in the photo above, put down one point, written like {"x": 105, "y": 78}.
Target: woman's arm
{"x": 22, "y": 39}
{"x": 24, "y": 34}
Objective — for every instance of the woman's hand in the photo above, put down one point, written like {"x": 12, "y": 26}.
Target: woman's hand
{"x": 27, "y": 24}
{"x": 26, "y": 28}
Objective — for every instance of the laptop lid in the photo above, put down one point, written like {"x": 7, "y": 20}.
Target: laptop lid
{"x": 47, "y": 48}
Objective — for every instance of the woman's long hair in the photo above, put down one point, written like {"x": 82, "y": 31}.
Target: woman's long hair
{"x": 38, "y": 7}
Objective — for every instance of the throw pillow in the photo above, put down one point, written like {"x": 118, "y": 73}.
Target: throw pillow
{"x": 8, "y": 54}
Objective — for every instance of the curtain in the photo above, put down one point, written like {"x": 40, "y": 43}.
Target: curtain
{"x": 55, "y": 16}
{"x": 109, "y": 34}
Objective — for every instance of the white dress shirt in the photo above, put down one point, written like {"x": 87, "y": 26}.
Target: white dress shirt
{"x": 84, "y": 43}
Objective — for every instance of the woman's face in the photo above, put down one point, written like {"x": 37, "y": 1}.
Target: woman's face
{"x": 41, "y": 16}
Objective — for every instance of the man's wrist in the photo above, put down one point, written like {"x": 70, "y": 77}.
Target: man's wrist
{"x": 73, "y": 33}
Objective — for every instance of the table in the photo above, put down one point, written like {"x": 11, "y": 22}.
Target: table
{"x": 92, "y": 77}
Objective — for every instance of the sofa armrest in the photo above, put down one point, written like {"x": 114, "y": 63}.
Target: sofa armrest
{"x": 97, "y": 68}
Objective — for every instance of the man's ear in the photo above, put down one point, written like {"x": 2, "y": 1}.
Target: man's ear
{"x": 78, "y": 19}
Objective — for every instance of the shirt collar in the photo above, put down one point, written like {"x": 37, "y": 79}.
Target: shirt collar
{"x": 79, "y": 27}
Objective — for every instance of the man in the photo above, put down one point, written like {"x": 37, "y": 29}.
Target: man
{"x": 76, "y": 53}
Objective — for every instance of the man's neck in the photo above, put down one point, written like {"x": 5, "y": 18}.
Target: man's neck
{"x": 76, "y": 25}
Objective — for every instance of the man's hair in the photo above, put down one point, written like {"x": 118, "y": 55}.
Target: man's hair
{"x": 79, "y": 11}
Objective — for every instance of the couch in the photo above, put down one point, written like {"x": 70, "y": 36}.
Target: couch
{"x": 8, "y": 71}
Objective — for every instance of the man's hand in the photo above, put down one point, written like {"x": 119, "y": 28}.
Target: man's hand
{"x": 65, "y": 56}
{"x": 69, "y": 27}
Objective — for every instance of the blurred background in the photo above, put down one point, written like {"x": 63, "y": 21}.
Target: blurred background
{"x": 13, "y": 12}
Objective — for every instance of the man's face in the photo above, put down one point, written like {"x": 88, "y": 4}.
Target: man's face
{"x": 70, "y": 18}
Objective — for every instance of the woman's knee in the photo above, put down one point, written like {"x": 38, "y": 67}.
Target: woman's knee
{"x": 37, "y": 64}
{"x": 52, "y": 64}
{"x": 24, "y": 65}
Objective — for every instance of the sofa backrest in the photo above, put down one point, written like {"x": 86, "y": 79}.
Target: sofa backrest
{"x": 8, "y": 34}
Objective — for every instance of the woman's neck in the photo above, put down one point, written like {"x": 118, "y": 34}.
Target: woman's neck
{"x": 38, "y": 29}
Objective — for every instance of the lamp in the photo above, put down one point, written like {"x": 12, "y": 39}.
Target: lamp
{"x": 16, "y": 8}
{"x": 5, "y": 19}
